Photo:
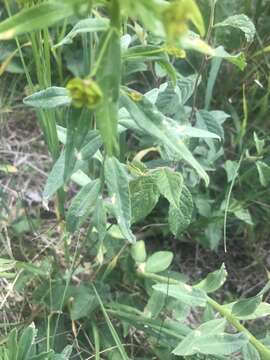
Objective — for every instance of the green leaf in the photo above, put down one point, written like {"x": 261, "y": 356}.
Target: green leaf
{"x": 170, "y": 97}
{"x": 100, "y": 218}
{"x": 195, "y": 16}
{"x": 116, "y": 178}
{"x": 56, "y": 177}
{"x": 261, "y": 311}
{"x": 246, "y": 307}
{"x": 259, "y": 143}
{"x": 213, "y": 280}
{"x": 43, "y": 356}
{"x": 7, "y": 265}
{"x": 207, "y": 121}
{"x": 113, "y": 332}
{"x": 12, "y": 345}
{"x": 25, "y": 342}
{"x": 241, "y": 22}
{"x": 155, "y": 304}
{"x": 49, "y": 98}
{"x": 85, "y": 26}
{"x": 250, "y": 353}
{"x": 180, "y": 217}
{"x": 144, "y": 196}
{"x": 191, "y": 41}
{"x": 82, "y": 205}
{"x": 210, "y": 339}
{"x": 155, "y": 124}
{"x": 38, "y": 17}
{"x": 230, "y": 167}
{"x": 84, "y": 303}
{"x": 264, "y": 173}
{"x": 159, "y": 261}
{"x": 169, "y": 184}
{"x": 184, "y": 293}
{"x": 108, "y": 77}
{"x": 170, "y": 330}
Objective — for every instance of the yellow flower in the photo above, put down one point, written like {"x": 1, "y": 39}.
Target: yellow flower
{"x": 135, "y": 96}
{"x": 176, "y": 16}
{"x": 84, "y": 92}
{"x": 175, "y": 51}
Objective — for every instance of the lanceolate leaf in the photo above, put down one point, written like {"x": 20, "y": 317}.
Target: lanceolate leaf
{"x": 25, "y": 343}
{"x": 100, "y": 219}
{"x": 85, "y": 26}
{"x": 213, "y": 280}
{"x": 154, "y": 123}
{"x": 180, "y": 216}
{"x": 38, "y": 17}
{"x": 108, "y": 78}
{"x": 82, "y": 205}
{"x": 56, "y": 177}
{"x": 192, "y": 42}
{"x": 183, "y": 292}
{"x": 241, "y": 22}
{"x": 261, "y": 311}
{"x": 169, "y": 184}
{"x": 116, "y": 179}
{"x": 246, "y": 307}
{"x": 210, "y": 339}
{"x": 250, "y": 353}
{"x": 264, "y": 172}
{"x": 49, "y": 98}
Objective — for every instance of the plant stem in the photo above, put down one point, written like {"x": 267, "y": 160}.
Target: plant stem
{"x": 261, "y": 348}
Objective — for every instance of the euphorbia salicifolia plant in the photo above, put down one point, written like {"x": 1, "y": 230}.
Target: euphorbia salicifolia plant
{"x": 93, "y": 112}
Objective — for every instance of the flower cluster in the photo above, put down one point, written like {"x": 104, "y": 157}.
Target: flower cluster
{"x": 84, "y": 92}
{"x": 175, "y": 51}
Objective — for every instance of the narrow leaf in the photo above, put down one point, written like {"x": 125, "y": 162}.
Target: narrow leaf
{"x": 41, "y": 16}
{"x": 183, "y": 292}
{"x": 154, "y": 123}
{"x": 246, "y": 307}
{"x": 108, "y": 77}
{"x": 210, "y": 339}
{"x": 82, "y": 205}
{"x": 49, "y": 98}
{"x": 85, "y": 26}
{"x": 213, "y": 280}
{"x": 116, "y": 179}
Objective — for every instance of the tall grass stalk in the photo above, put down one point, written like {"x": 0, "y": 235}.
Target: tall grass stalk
{"x": 41, "y": 50}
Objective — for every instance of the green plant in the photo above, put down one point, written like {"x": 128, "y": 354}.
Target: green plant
{"x": 132, "y": 135}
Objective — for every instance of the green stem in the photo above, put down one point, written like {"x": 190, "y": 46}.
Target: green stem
{"x": 261, "y": 348}
{"x": 101, "y": 53}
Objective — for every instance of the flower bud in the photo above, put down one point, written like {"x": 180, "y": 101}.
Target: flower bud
{"x": 84, "y": 92}
{"x": 175, "y": 51}
{"x": 138, "y": 252}
{"x": 135, "y": 96}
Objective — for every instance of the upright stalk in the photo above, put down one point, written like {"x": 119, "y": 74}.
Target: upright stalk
{"x": 40, "y": 43}
{"x": 225, "y": 313}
